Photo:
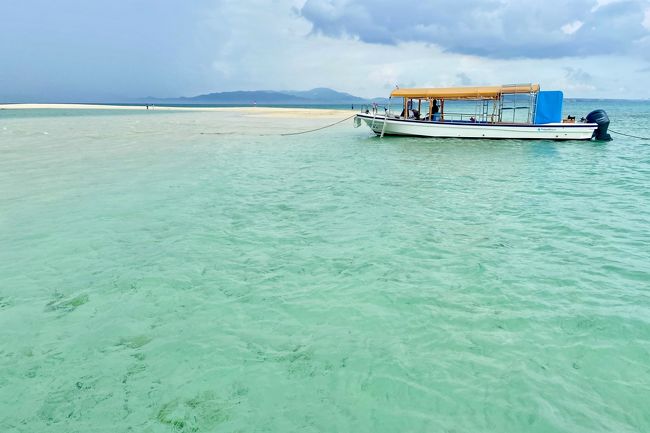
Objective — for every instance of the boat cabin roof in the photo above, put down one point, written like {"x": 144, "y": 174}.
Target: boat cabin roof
{"x": 482, "y": 92}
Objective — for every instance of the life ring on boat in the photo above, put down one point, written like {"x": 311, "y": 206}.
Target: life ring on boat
{"x": 357, "y": 122}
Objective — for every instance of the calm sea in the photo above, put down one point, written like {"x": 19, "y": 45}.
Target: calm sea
{"x": 157, "y": 279}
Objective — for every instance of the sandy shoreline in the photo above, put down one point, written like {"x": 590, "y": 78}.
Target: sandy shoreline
{"x": 246, "y": 111}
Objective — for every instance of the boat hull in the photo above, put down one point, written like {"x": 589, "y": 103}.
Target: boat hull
{"x": 421, "y": 128}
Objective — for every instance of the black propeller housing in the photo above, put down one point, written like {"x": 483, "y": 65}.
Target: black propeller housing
{"x": 600, "y": 117}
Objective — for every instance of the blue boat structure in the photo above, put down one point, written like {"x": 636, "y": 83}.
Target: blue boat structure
{"x": 518, "y": 111}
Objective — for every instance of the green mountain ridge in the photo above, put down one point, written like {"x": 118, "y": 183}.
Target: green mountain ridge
{"x": 319, "y": 95}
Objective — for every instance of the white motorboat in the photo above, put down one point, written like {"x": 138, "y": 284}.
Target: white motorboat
{"x": 498, "y": 112}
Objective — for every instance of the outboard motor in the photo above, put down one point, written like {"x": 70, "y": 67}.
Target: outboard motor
{"x": 600, "y": 117}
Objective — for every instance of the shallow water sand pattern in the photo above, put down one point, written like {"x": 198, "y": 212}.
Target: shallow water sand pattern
{"x": 156, "y": 279}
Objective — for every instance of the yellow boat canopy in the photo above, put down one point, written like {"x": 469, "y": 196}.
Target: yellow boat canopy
{"x": 484, "y": 92}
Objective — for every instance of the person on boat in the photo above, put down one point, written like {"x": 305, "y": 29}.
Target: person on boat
{"x": 413, "y": 112}
{"x": 434, "y": 110}
{"x": 408, "y": 112}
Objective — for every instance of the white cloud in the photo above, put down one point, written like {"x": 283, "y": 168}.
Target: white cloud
{"x": 571, "y": 28}
{"x": 646, "y": 19}
{"x": 600, "y": 3}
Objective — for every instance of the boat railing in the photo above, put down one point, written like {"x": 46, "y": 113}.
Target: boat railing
{"x": 375, "y": 109}
{"x": 468, "y": 117}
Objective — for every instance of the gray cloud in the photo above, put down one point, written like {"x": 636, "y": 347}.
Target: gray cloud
{"x": 464, "y": 79}
{"x": 578, "y": 75}
{"x": 488, "y": 28}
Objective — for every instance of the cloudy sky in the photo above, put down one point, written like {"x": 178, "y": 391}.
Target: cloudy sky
{"x": 101, "y": 50}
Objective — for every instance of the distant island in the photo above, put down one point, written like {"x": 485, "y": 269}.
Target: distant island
{"x": 317, "y": 96}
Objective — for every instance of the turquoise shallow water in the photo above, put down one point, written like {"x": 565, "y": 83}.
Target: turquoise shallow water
{"x": 154, "y": 279}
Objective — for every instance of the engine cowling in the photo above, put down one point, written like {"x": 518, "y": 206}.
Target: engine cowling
{"x": 600, "y": 118}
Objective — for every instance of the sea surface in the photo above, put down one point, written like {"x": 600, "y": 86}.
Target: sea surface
{"x": 166, "y": 271}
